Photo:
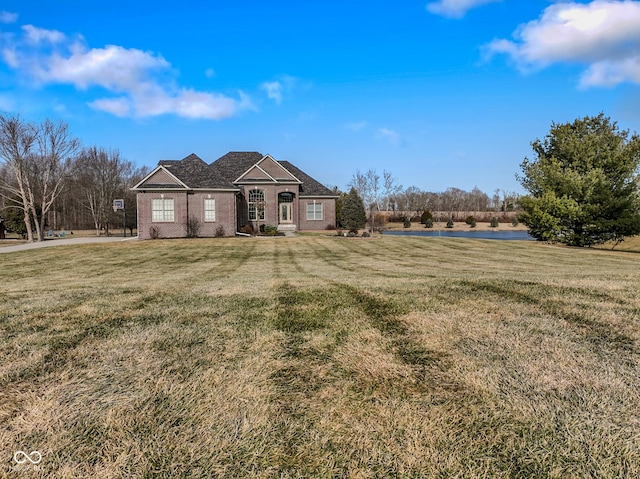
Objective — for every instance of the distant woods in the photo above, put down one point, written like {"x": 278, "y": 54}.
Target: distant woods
{"x": 49, "y": 181}
{"x": 383, "y": 193}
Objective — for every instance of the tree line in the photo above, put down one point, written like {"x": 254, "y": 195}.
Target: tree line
{"x": 49, "y": 180}
{"x": 383, "y": 193}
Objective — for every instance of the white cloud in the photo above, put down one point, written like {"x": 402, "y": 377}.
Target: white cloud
{"x": 277, "y": 89}
{"x": 114, "y": 68}
{"x": 153, "y": 102}
{"x": 274, "y": 90}
{"x": 142, "y": 80}
{"x": 603, "y": 35}
{"x": 455, "y": 8}
{"x": 116, "y": 106}
{"x": 609, "y": 74}
{"x": 8, "y": 17}
{"x": 40, "y": 35}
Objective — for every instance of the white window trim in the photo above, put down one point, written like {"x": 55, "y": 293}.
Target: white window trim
{"x": 164, "y": 212}
{"x": 314, "y": 211}
{"x": 211, "y": 218}
{"x": 258, "y": 213}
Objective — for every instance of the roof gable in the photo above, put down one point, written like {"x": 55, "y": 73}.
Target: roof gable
{"x": 269, "y": 170}
{"x": 160, "y": 178}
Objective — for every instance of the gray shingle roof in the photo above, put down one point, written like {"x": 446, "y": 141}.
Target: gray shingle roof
{"x": 309, "y": 187}
{"x": 195, "y": 173}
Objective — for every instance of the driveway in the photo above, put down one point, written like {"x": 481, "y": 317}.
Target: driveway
{"x": 63, "y": 242}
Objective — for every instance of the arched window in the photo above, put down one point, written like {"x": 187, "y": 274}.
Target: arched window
{"x": 256, "y": 205}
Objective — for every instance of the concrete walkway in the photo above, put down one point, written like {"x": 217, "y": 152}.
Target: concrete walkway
{"x": 63, "y": 242}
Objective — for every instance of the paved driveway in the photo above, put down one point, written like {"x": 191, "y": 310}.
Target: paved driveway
{"x": 63, "y": 242}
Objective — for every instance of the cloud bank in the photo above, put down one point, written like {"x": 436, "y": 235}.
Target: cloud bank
{"x": 141, "y": 82}
{"x": 603, "y": 35}
{"x": 455, "y": 8}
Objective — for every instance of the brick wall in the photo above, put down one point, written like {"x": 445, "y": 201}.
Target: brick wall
{"x": 225, "y": 214}
{"x": 328, "y": 214}
{"x": 193, "y": 205}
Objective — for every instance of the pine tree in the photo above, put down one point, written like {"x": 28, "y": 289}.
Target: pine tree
{"x": 583, "y": 184}
{"x": 353, "y": 212}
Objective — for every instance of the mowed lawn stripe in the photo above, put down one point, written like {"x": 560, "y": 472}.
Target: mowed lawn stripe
{"x": 318, "y": 356}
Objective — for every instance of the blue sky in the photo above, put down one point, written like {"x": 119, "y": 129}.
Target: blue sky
{"x": 440, "y": 93}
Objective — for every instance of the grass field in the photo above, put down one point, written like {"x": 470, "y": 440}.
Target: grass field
{"x": 320, "y": 356}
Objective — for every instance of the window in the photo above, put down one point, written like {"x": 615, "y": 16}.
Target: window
{"x": 209, "y": 210}
{"x": 314, "y": 211}
{"x": 256, "y": 205}
{"x": 162, "y": 210}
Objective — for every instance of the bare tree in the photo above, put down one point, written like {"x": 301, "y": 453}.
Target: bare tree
{"x": 391, "y": 188}
{"x": 478, "y": 200}
{"x": 39, "y": 158}
{"x": 368, "y": 187}
{"x": 101, "y": 175}
{"x": 17, "y": 139}
{"x": 52, "y": 163}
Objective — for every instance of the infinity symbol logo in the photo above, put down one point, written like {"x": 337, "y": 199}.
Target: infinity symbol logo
{"x": 21, "y": 457}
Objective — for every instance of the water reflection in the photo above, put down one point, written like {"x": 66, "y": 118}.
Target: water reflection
{"x": 495, "y": 235}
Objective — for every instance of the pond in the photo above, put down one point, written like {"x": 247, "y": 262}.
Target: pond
{"x": 518, "y": 235}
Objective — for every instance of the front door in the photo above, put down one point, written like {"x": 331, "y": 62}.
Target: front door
{"x": 286, "y": 213}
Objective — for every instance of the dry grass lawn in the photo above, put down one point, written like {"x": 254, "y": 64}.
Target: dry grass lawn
{"x": 318, "y": 356}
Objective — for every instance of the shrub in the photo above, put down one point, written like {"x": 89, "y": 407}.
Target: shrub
{"x": 270, "y": 230}
{"x": 426, "y": 216}
{"x": 472, "y": 224}
{"x": 395, "y": 218}
{"x": 353, "y": 231}
{"x": 246, "y": 229}
{"x": 469, "y": 220}
{"x": 494, "y": 222}
{"x": 330, "y": 227}
{"x": 406, "y": 223}
{"x": 428, "y": 223}
{"x": 450, "y": 223}
{"x": 219, "y": 232}
{"x": 154, "y": 233}
{"x": 515, "y": 222}
{"x": 193, "y": 227}
{"x": 365, "y": 234}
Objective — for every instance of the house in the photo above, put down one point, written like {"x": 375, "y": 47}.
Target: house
{"x": 238, "y": 189}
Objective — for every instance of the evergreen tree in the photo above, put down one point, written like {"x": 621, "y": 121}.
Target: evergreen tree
{"x": 583, "y": 184}
{"x": 353, "y": 212}
{"x": 341, "y": 197}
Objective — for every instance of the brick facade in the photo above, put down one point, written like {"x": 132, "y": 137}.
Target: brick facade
{"x": 231, "y": 179}
{"x": 328, "y": 214}
{"x": 191, "y": 204}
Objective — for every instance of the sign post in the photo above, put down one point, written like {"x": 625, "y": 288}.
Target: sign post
{"x": 118, "y": 205}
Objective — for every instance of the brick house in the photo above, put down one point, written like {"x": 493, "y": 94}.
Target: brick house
{"x": 238, "y": 189}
